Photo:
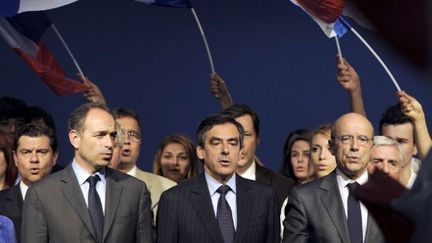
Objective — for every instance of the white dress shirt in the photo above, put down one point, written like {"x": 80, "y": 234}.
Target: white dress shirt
{"x": 213, "y": 185}
{"x": 250, "y": 173}
{"x": 82, "y": 176}
{"x": 343, "y": 181}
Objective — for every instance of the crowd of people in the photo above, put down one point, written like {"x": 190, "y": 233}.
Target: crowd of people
{"x": 213, "y": 189}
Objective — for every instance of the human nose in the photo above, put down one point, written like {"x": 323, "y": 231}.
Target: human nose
{"x": 225, "y": 148}
{"x": 354, "y": 144}
{"x": 34, "y": 157}
{"x": 385, "y": 167}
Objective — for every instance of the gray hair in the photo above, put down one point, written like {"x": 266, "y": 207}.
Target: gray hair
{"x": 386, "y": 141}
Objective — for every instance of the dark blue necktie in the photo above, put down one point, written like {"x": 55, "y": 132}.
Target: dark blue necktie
{"x": 224, "y": 215}
{"x": 354, "y": 215}
{"x": 95, "y": 207}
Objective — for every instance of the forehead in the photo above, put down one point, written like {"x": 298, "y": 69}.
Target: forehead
{"x": 300, "y": 145}
{"x": 385, "y": 151}
{"x": 222, "y": 131}
{"x": 174, "y": 147}
{"x": 128, "y": 123}
{"x": 405, "y": 130}
{"x": 320, "y": 138}
{"x": 98, "y": 119}
{"x": 353, "y": 125}
{"x": 246, "y": 121}
{"x": 30, "y": 142}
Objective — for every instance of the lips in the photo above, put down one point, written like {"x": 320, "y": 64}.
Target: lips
{"x": 225, "y": 162}
{"x": 126, "y": 152}
{"x": 35, "y": 171}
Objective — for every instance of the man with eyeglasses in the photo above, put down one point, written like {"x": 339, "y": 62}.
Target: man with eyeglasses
{"x": 325, "y": 210}
{"x": 130, "y": 124}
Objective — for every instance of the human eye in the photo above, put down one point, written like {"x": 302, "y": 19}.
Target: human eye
{"x": 401, "y": 141}
{"x": 43, "y": 151}
{"x": 363, "y": 139}
{"x": 233, "y": 142}
{"x": 215, "y": 142}
{"x": 315, "y": 149}
{"x": 167, "y": 156}
{"x": 25, "y": 152}
{"x": 346, "y": 138}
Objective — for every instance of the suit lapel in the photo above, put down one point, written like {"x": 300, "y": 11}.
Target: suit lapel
{"x": 200, "y": 198}
{"x": 331, "y": 199}
{"x": 74, "y": 196}
{"x": 263, "y": 175}
{"x": 371, "y": 229}
{"x": 113, "y": 194}
{"x": 243, "y": 208}
{"x": 15, "y": 201}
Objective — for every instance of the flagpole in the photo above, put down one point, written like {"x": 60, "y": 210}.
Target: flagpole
{"x": 338, "y": 48}
{"x": 373, "y": 53}
{"x": 69, "y": 51}
{"x": 204, "y": 39}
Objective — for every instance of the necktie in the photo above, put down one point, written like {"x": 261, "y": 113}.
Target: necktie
{"x": 95, "y": 207}
{"x": 354, "y": 215}
{"x": 224, "y": 215}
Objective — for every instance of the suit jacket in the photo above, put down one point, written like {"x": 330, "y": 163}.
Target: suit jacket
{"x": 55, "y": 210}
{"x": 156, "y": 185}
{"x": 186, "y": 214}
{"x": 11, "y": 205}
{"x": 315, "y": 213}
{"x": 280, "y": 184}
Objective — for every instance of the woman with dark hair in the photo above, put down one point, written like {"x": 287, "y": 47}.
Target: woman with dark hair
{"x": 296, "y": 161}
{"x": 8, "y": 170}
{"x": 176, "y": 158}
{"x": 321, "y": 157}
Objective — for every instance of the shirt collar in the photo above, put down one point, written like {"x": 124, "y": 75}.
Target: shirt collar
{"x": 132, "y": 172}
{"x": 213, "y": 184}
{"x": 250, "y": 173}
{"x": 82, "y": 175}
{"x": 343, "y": 180}
{"x": 23, "y": 188}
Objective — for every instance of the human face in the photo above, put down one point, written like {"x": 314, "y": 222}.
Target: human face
{"x": 403, "y": 135}
{"x": 11, "y": 125}
{"x": 221, "y": 151}
{"x": 94, "y": 142}
{"x": 250, "y": 144}
{"x": 175, "y": 162}
{"x": 324, "y": 162}
{"x": 34, "y": 158}
{"x": 300, "y": 157}
{"x": 132, "y": 143}
{"x": 352, "y": 157}
{"x": 386, "y": 158}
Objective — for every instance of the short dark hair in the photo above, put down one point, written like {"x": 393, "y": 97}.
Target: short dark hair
{"x": 120, "y": 112}
{"x": 36, "y": 130}
{"x": 214, "y": 120}
{"x": 77, "y": 117}
{"x": 393, "y": 116}
{"x": 239, "y": 110}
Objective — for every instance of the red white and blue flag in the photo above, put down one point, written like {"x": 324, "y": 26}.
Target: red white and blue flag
{"x": 23, "y": 33}
{"x": 168, "y": 3}
{"x": 13, "y": 7}
{"x": 326, "y": 13}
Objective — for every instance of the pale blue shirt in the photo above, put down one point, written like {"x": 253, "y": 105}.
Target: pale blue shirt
{"x": 82, "y": 175}
{"x": 213, "y": 185}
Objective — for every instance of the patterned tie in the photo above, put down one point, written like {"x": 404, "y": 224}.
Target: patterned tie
{"x": 354, "y": 215}
{"x": 95, "y": 207}
{"x": 224, "y": 215}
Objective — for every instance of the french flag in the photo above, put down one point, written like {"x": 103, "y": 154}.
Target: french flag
{"x": 326, "y": 13}
{"x": 23, "y": 33}
{"x": 168, "y": 3}
{"x": 13, "y": 7}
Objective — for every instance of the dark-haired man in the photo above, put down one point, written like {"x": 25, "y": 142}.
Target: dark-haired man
{"x": 88, "y": 202}
{"x": 35, "y": 153}
{"x": 218, "y": 206}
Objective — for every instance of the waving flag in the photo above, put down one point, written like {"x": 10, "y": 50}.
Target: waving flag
{"x": 23, "y": 33}
{"x": 13, "y": 7}
{"x": 329, "y": 21}
{"x": 168, "y": 3}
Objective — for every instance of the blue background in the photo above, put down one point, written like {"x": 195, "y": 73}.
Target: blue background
{"x": 152, "y": 59}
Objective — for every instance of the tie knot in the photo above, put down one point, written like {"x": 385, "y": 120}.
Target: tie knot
{"x": 223, "y": 189}
{"x": 92, "y": 180}
{"x": 352, "y": 186}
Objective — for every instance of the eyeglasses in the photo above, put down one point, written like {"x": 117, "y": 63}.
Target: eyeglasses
{"x": 133, "y": 136}
{"x": 347, "y": 139}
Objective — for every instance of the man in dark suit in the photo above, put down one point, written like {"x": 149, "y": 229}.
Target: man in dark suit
{"x": 35, "y": 153}
{"x": 218, "y": 206}
{"x": 248, "y": 167}
{"x": 87, "y": 201}
{"x": 325, "y": 210}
